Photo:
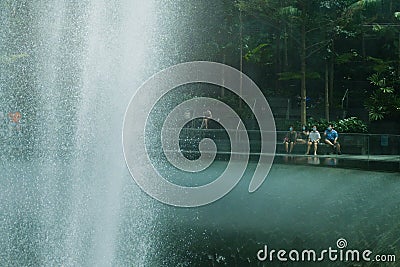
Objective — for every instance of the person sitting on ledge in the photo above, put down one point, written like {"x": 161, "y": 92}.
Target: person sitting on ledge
{"x": 206, "y": 117}
{"x": 290, "y": 138}
{"x": 302, "y": 136}
{"x": 331, "y": 137}
{"x": 313, "y": 138}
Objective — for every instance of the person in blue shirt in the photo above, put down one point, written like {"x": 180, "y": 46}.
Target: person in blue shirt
{"x": 331, "y": 137}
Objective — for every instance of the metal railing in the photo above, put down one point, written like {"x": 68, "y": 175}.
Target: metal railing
{"x": 383, "y": 148}
{"x": 362, "y": 144}
{"x": 354, "y": 146}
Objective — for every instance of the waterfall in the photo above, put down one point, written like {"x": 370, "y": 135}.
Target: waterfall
{"x": 70, "y": 68}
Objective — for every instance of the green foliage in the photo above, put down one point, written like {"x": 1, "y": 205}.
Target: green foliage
{"x": 290, "y": 11}
{"x": 376, "y": 80}
{"x": 233, "y": 100}
{"x": 349, "y": 125}
{"x": 361, "y": 5}
{"x": 384, "y": 101}
{"x": 260, "y": 54}
{"x": 381, "y": 82}
{"x": 376, "y": 112}
{"x": 380, "y": 65}
{"x": 347, "y": 57}
{"x": 321, "y": 124}
{"x": 377, "y": 27}
{"x": 286, "y": 76}
{"x": 360, "y": 38}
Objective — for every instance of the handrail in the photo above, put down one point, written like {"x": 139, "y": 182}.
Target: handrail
{"x": 280, "y": 132}
{"x": 363, "y": 144}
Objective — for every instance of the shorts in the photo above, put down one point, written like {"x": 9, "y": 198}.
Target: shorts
{"x": 287, "y": 140}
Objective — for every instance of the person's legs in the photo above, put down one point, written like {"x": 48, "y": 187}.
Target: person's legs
{"x": 338, "y": 148}
{"x": 330, "y": 143}
{"x": 315, "y": 148}
{"x": 291, "y": 147}
{"x": 204, "y": 123}
{"x": 286, "y": 147}
{"x": 308, "y": 147}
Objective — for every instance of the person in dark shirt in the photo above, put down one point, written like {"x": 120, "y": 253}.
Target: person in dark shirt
{"x": 302, "y": 136}
{"x": 290, "y": 138}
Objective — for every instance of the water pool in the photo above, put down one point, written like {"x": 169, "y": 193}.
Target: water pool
{"x": 60, "y": 215}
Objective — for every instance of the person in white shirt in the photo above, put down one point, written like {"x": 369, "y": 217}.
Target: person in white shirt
{"x": 313, "y": 138}
{"x": 206, "y": 117}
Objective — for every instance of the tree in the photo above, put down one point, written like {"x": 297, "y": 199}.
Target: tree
{"x": 300, "y": 40}
{"x": 383, "y": 23}
{"x": 301, "y": 15}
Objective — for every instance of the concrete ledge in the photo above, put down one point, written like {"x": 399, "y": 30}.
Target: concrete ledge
{"x": 387, "y": 163}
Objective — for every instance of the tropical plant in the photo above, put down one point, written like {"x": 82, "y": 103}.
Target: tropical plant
{"x": 384, "y": 100}
{"x": 321, "y": 124}
{"x": 311, "y": 28}
{"x": 350, "y": 125}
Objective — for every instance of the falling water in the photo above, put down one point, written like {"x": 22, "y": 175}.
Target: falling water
{"x": 69, "y": 67}
{"x": 66, "y": 196}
